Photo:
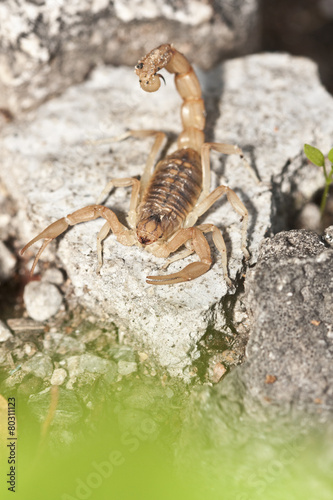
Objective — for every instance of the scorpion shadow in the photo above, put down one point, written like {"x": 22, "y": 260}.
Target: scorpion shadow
{"x": 213, "y": 85}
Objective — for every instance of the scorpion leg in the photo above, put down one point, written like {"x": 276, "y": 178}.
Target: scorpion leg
{"x": 236, "y": 204}
{"x": 191, "y": 271}
{"x": 126, "y": 182}
{"x": 220, "y": 245}
{"x": 159, "y": 139}
{"x": 227, "y": 149}
{"x": 124, "y": 235}
{"x": 179, "y": 256}
{"x": 150, "y": 163}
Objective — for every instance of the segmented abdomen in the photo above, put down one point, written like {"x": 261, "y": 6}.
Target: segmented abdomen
{"x": 175, "y": 185}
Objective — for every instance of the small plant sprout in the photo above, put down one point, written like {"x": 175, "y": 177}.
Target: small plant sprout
{"x": 316, "y": 156}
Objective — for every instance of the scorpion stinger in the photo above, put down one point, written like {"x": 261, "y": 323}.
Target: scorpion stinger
{"x": 168, "y": 201}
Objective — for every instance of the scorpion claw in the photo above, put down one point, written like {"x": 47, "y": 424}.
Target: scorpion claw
{"x": 189, "y": 273}
{"x": 51, "y": 232}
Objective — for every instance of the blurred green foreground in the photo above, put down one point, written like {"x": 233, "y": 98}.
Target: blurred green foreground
{"x": 156, "y": 441}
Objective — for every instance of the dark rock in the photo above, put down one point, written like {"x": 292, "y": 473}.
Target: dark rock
{"x": 289, "y": 295}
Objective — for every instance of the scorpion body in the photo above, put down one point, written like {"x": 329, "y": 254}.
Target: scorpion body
{"x": 165, "y": 204}
{"x": 172, "y": 193}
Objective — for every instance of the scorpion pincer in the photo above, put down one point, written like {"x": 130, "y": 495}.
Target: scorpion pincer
{"x": 168, "y": 200}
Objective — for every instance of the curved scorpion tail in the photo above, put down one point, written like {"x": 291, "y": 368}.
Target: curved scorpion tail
{"x": 187, "y": 84}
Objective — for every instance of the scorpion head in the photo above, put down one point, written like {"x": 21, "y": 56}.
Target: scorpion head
{"x": 151, "y": 229}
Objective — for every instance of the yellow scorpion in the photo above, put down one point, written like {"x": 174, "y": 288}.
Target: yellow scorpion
{"x": 168, "y": 200}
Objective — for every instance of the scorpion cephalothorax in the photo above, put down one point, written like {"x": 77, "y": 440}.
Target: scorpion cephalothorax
{"x": 168, "y": 200}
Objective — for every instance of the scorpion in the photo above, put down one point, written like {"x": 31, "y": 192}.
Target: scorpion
{"x": 167, "y": 201}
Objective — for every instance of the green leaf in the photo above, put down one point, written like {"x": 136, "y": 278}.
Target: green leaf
{"x": 314, "y": 155}
{"x": 330, "y": 156}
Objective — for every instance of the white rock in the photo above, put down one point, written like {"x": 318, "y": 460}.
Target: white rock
{"x": 194, "y": 12}
{"x": 5, "y": 333}
{"x": 54, "y": 276}
{"x": 271, "y": 105}
{"x": 118, "y": 32}
{"x": 42, "y": 300}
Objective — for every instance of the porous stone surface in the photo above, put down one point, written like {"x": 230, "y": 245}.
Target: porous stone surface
{"x": 270, "y": 105}
{"x": 277, "y": 407}
{"x": 47, "y": 46}
{"x": 289, "y": 294}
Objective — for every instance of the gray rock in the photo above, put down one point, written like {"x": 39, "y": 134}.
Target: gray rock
{"x": 266, "y": 107}
{"x": 290, "y": 351}
{"x": 50, "y": 45}
{"x": 62, "y": 344}
{"x": 39, "y": 365}
{"x": 275, "y": 409}
{"x": 87, "y": 367}
{"x": 42, "y": 300}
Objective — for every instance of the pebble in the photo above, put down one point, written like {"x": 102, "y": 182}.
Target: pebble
{"x": 94, "y": 364}
{"x": 127, "y": 367}
{"x": 4, "y": 332}
{"x": 309, "y": 217}
{"x": 40, "y": 365}
{"x": 24, "y": 325}
{"x": 42, "y": 300}
{"x": 123, "y": 353}
{"x": 73, "y": 366}
{"x": 218, "y": 372}
{"x": 30, "y": 349}
{"x": 143, "y": 357}
{"x": 58, "y": 376}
